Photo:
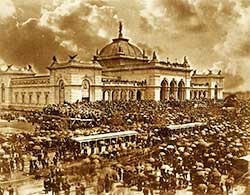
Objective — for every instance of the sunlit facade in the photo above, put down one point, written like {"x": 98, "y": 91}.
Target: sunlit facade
{"x": 119, "y": 71}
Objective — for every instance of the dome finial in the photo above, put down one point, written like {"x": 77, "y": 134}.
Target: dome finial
{"x": 120, "y": 29}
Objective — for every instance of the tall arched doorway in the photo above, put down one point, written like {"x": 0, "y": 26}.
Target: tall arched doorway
{"x": 85, "y": 90}
{"x": 105, "y": 95}
{"x": 124, "y": 95}
{"x": 61, "y": 92}
{"x": 131, "y": 95}
{"x": 215, "y": 92}
{"x": 204, "y": 94}
{"x": 138, "y": 95}
{"x": 164, "y": 90}
{"x": 181, "y": 91}
{"x": 2, "y": 93}
{"x": 195, "y": 95}
{"x": 172, "y": 90}
{"x": 115, "y": 95}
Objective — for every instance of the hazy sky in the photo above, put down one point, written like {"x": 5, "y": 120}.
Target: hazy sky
{"x": 212, "y": 33}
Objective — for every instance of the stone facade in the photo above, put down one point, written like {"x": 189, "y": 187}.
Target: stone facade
{"x": 120, "y": 71}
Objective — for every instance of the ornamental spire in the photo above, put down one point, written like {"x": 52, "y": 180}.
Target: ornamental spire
{"x": 120, "y": 30}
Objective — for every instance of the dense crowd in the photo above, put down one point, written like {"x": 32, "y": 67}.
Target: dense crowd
{"x": 199, "y": 157}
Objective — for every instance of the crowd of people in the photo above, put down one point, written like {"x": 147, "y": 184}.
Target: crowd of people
{"x": 158, "y": 159}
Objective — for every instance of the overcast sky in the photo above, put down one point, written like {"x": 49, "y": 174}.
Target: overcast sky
{"x": 211, "y": 33}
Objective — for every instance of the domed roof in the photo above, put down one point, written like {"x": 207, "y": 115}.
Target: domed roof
{"x": 121, "y": 46}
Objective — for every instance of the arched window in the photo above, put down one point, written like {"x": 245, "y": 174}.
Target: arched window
{"x": 46, "y": 98}
{"x": 38, "y": 94}
{"x": 181, "y": 91}
{"x": 2, "y": 93}
{"x": 85, "y": 90}
{"x": 23, "y": 98}
{"x": 16, "y": 97}
{"x": 61, "y": 92}
{"x": 30, "y": 97}
{"x": 164, "y": 90}
{"x": 138, "y": 95}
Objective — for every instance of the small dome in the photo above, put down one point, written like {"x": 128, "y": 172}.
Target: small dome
{"x": 121, "y": 46}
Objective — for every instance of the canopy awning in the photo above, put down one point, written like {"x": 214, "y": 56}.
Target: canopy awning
{"x": 186, "y": 126}
{"x": 104, "y": 136}
{"x": 247, "y": 158}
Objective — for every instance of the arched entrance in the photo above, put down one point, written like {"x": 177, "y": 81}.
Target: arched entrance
{"x": 138, "y": 95}
{"x": 172, "y": 90}
{"x": 215, "y": 92}
{"x": 115, "y": 95}
{"x": 61, "y": 92}
{"x": 181, "y": 91}
{"x": 195, "y": 95}
{"x": 124, "y": 95}
{"x": 204, "y": 94}
{"x": 2, "y": 93}
{"x": 131, "y": 95}
{"x": 106, "y": 96}
{"x": 85, "y": 90}
{"x": 164, "y": 90}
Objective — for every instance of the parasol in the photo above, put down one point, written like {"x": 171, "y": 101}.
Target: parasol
{"x": 37, "y": 147}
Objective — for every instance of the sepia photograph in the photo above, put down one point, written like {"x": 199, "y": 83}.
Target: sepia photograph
{"x": 124, "y": 97}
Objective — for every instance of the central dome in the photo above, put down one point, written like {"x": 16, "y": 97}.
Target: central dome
{"x": 121, "y": 46}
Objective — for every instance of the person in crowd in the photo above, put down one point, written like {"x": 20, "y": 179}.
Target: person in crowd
{"x": 1, "y": 191}
{"x": 10, "y": 190}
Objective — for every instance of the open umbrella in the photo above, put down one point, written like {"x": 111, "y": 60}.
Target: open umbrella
{"x": 102, "y": 142}
{"x": 170, "y": 147}
{"x": 186, "y": 154}
{"x": 149, "y": 168}
{"x": 6, "y": 144}
{"x": 213, "y": 154}
{"x": 37, "y": 147}
{"x": 128, "y": 168}
{"x": 193, "y": 146}
{"x": 239, "y": 144}
{"x": 202, "y": 187}
{"x": 211, "y": 160}
{"x": 152, "y": 160}
{"x": 2, "y": 151}
{"x": 201, "y": 173}
{"x": 199, "y": 164}
{"x": 181, "y": 149}
{"x": 216, "y": 174}
{"x": 6, "y": 156}
{"x": 229, "y": 155}
{"x": 94, "y": 156}
{"x": 96, "y": 161}
{"x": 86, "y": 160}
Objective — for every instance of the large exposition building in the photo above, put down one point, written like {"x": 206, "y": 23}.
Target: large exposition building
{"x": 119, "y": 71}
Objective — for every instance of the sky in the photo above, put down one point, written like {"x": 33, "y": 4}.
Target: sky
{"x": 213, "y": 34}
